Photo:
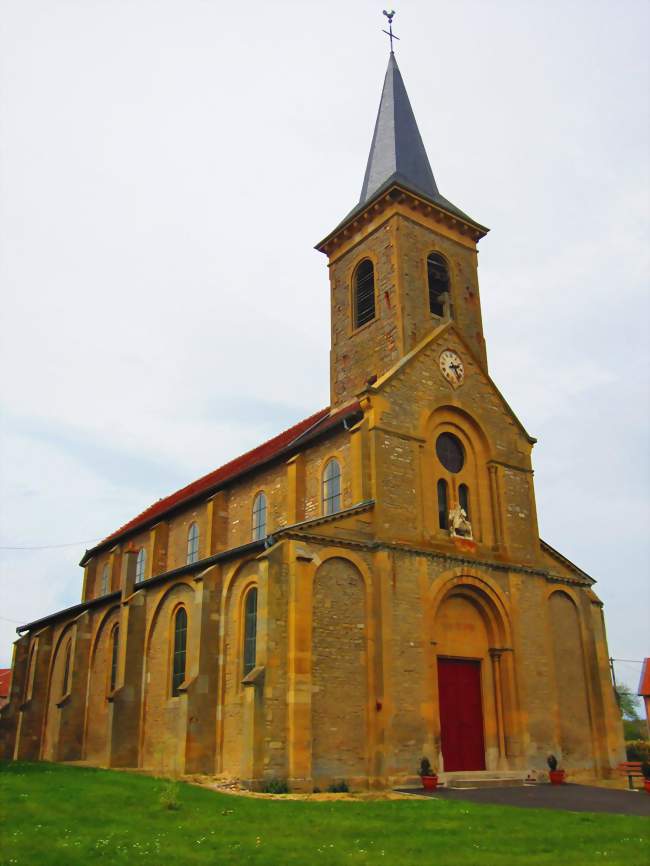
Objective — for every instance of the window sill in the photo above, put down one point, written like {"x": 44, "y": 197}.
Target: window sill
{"x": 182, "y": 689}
{"x": 254, "y": 677}
{"x": 365, "y": 326}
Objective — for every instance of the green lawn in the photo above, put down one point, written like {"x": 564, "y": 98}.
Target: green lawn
{"x": 54, "y": 815}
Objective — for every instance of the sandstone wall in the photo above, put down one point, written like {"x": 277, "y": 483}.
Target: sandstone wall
{"x": 339, "y": 673}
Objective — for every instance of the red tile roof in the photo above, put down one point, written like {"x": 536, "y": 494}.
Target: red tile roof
{"x": 316, "y": 424}
{"x": 5, "y": 682}
{"x": 644, "y": 682}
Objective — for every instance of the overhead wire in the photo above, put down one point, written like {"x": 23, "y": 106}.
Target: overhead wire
{"x": 49, "y": 546}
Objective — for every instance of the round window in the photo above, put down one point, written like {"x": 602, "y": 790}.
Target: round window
{"x": 450, "y": 452}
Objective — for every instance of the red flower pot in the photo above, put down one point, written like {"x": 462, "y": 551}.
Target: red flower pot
{"x": 646, "y": 785}
{"x": 429, "y": 783}
{"x": 557, "y": 777}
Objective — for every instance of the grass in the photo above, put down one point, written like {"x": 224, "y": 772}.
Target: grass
{"x": 53, "y": 815}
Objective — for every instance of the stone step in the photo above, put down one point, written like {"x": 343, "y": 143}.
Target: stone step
{"x": 485, "y": 783}
{"x": 483, "y": 778}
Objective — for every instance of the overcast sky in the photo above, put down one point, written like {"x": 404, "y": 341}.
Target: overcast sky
{"x": 166, "y": 168}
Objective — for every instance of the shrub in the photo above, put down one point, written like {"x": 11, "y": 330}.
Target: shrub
{"x": 645, "y": 770}
{"x": 638, "y": 750}
{"x": 425, "y": 768}
{"x": 169, "y": 796}
{"x": 276, "y": 786}
{"x": 552, "y": 763}
{"x": 634, "y": 729}
{"x": 338, "y": 787}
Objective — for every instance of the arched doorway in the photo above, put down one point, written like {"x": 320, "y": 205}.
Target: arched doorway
{"x": 470, "y": 638}
{"x": 462, "y": 646}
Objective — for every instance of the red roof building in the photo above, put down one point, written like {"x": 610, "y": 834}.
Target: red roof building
{"x": 5, "y": 685}
{"x": 644, "y": 689}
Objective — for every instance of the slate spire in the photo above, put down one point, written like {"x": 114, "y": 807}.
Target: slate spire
{"x": 397, "y": 152}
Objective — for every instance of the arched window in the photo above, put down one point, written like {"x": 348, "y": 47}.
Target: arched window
{"x": 258, "y": 523}
{"x": 364, "y": 293}
{"x": 180, "y": 649}
{"x": 250, "y": 630}
{"x": 463, "y": 499}
{"x": 65, "y": 687}
{"x": 140, "y": 565}
{"x": 115, "y": 636}
{"x": 192, "y": 544}
{"x": 106, "y": 580}
{"x": 332, "y": 487}
{"x": 438, "y": 276}
{"x": 443, "y": 505}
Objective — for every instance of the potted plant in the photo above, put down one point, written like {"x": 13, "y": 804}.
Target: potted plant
{"x": 556, "y": 776}
{"x": 429, "y": 778}
{"x": 645, "y": 771}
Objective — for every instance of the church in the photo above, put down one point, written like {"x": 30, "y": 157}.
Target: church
{"x": 368, "y": 587}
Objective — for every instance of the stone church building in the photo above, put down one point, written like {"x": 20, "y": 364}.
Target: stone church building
{"x": 366, "y": 588}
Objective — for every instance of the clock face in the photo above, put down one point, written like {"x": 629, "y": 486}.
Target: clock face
{"x": 452, "y": 368}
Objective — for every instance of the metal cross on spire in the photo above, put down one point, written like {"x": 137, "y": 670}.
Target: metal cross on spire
{"x": 390, "y": 15}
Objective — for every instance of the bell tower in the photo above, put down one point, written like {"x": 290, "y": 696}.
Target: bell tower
{"x": 403, "y": 262}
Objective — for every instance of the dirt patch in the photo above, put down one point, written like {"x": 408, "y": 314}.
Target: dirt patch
{"x": 234, "y": 787}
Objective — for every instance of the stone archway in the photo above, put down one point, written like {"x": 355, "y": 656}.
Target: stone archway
{"x": 472, "y": 669}
{"x": 97, "y": 707}
{"x": 58, "y": 694}
{"x": 462, "y": 648}
{"x": 574, "y": 729}
{"x": 234, "y": 731}
{"x": 164, "y": 715}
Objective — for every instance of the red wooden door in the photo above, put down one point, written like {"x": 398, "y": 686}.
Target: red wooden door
{"x": 461, "y": 714}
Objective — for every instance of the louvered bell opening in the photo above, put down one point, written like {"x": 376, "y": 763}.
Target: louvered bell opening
{"x": 364, "y": 294}
{"x": 438, "y": 276}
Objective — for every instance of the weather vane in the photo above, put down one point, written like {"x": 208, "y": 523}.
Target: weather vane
{"x": 390, "y": 15}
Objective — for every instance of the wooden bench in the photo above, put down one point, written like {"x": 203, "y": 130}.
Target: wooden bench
{"x": 631, "y": 769}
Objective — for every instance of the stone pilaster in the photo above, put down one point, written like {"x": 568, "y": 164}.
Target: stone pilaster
{"x": 9, "y": 714}
{"x": 296, "y": 489}
{"x": 33, "y": 699}
{"x": 202, "y": 688}
{"x": 126, "y": 700}
{"x": 159, "y": 544}
{"x": 217, "y": 523}
{"x": 299, "y": 665}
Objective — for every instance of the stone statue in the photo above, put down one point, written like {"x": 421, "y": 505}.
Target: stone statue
{"x": 459, "y": 525}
